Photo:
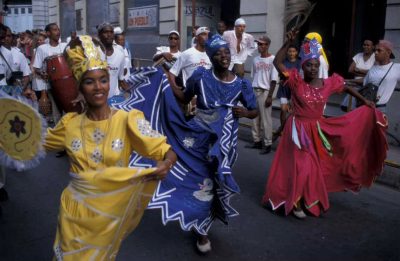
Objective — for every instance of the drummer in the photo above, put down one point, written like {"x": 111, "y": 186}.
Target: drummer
{"x": 53, "y": 47}
{"x": 115, "y": 59}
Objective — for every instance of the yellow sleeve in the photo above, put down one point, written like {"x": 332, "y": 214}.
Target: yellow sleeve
{"x": 55, "y": 137}
{"x": 146, "y": 141}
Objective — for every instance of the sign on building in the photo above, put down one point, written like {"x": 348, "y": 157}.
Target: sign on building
{"x": 142, "y": 17}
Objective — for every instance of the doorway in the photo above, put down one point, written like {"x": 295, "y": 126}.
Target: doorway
{"x": 344, "y": 25}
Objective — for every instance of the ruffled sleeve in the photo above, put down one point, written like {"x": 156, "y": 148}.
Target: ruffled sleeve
{"x": 335, "y": 83}
{"x": 55, "y": 137}
{"x": 147, "y": 142}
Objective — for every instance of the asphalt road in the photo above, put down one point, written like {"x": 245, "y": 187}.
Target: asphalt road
{"x": 356, "y": 227}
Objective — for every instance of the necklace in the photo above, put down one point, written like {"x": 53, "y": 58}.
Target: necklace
{"x": 100, "y": 138}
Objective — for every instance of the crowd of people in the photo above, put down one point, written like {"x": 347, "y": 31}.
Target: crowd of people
{"x": 198, "y": 95}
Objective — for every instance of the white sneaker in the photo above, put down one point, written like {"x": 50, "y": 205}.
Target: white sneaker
{"x": 299, "y": 214}
{"x": 205, "y": 248}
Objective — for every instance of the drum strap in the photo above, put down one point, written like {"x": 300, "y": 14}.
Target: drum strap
{"x": 4, "y": 59}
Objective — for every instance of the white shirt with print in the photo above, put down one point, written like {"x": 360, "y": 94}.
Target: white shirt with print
{"x": 188, "y": 61}
{"x": 263, "y": 72}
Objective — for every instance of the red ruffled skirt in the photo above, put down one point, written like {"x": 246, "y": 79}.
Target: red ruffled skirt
{"x": 317, "y": 156}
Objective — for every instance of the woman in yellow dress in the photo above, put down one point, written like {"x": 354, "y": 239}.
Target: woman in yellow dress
{"x": 105, "y": 199}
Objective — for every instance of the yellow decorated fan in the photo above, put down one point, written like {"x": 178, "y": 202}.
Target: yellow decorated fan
{"x": 21, "y": 133}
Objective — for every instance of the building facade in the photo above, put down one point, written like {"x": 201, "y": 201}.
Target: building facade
{"x": 343, "y": 24}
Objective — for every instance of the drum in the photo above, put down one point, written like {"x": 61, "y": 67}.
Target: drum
{"x": 44, "y": 104}
{"x": 63, "y": 84}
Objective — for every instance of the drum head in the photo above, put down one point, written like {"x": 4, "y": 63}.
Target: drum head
{"x": 21, "y": 130}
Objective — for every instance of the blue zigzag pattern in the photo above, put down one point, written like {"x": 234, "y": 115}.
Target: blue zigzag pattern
{"x": 138, "y": 99}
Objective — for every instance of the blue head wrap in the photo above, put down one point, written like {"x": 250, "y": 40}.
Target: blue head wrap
{"x": 309, "y": 50}
{"x": 214, "y": 43}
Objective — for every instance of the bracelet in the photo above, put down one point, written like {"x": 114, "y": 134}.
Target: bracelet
{"x": 170, "y": 163}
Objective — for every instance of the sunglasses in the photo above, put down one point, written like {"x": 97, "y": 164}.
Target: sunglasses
{"x": 173, "y": 38}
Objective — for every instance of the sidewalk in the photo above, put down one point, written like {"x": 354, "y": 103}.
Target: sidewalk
{"x": 391, "y": 172}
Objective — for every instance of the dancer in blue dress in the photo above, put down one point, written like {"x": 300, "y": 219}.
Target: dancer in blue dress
{"x": 199, "y": 187}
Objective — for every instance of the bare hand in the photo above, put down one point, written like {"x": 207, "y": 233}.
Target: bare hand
{"x": 239, "y": 112}
{"x": 268, "y": 102}
{"x": 123, "y": 85}
{"x": 29, "y": 94}
{"x": 161, "y": 171}
{"x": 79, "y": 100}
{"x": 44, "y": 76}
{"x": 292, "y": 34}
{"x": 168, "y": 57}
{"x": 369, "y": 103}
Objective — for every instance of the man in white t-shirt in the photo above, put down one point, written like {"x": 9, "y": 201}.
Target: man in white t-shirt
{"x": 167, "y": 55}
{"x": 241, "y": 46}
{"x": 265, "y": 77}
{"x": 115, "y": 59}
{"x": 18, "y": 62}
{"x": 53, "y": 47}
{"x": 120, "y": 39}
{"x": 382, "y": 67}
{"x": 192, "y": 58}
{"x": 5, "y": 58}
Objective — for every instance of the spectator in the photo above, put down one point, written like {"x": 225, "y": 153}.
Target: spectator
{"x": 265, "y": 77}
{"x": 115, "y": 58}
{"x": 382, "y": 67}
{"x": 241, "y": 45}
{"x": 120, "y": 40}
{"x": 221, "y": 28}
{"x": 169, "y": 54}
{"x": 362, "y": 62}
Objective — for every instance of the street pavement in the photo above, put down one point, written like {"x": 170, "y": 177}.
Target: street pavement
{"x": 363, "y": 227}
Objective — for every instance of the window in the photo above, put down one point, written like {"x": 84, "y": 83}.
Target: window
{"x": 16, "y": 10}
{"x": 29, "y": 10}
{"x": 78, "y": 20}
{"x": 22, "y": 10}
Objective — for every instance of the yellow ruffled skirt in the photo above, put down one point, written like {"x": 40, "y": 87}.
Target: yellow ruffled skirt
{"x": 98, "y": 210}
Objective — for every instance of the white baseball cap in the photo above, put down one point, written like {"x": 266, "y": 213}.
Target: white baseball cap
{"x": 201, "y": 30}
{"x": 117, "y": 30}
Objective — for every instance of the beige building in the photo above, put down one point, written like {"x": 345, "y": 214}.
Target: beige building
{"x": 343, "y": 24}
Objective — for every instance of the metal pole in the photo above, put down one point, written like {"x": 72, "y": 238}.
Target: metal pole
{"x": 193, "y": 13}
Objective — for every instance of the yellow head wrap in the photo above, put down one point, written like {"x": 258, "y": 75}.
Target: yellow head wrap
{"x": 317, "y": 37}
{"x": 85, "y": 57}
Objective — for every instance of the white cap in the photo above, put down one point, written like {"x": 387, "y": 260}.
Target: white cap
{"x": 174, "y": 32}
{"x": 117, "y": 30}
{"x": 201, "y": 30}
{"x": 240, "y": 21}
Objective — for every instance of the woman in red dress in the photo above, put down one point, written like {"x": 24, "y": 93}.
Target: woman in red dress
{"x": 317, "y": 155}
